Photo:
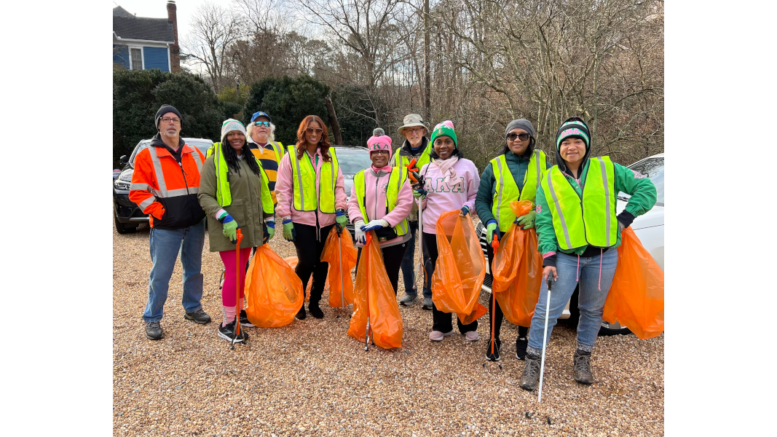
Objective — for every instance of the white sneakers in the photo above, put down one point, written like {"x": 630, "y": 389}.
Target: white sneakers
{"x": 438, "y": 336}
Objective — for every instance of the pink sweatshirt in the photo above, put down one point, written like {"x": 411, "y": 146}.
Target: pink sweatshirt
{"x": 284, "y": 191}
{"x": 440, "y": 199}
{"x": 375, "y": 185}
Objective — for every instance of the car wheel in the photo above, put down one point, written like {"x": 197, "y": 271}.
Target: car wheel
{"x": 123, "y": 228}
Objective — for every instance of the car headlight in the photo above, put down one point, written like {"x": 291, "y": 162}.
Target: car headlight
{"x": 123, "y": 181}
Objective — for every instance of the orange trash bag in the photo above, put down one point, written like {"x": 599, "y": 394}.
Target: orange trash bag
{"x": 460, "y": 268}
{"x": 636, "y": 298}
{"x": 273, "y": 291}
{"x": 336, "y": 246}
{"x": 517, "y": 270}
{"x": 293, "y": 261}
{"x": 375, "y": 298}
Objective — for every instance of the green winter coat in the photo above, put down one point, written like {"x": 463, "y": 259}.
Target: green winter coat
{"x": 246, "y": 207}
{"x": 643, "y": 197}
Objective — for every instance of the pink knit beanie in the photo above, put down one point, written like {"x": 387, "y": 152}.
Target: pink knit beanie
{"x": 379, "y": 141}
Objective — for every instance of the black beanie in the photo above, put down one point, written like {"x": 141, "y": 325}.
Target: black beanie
{"x": 164, "y": 109}
{"x": 573, "y": 127}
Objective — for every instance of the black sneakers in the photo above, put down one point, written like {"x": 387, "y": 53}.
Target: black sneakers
{"x": 520, "y": 347}
{"x": 154, "y": 331}
{"x": 200, "y": 317}
{"x": 497, "y": 346}
{"x": 244, "y": 322}
{"x": 582, "y": 364}
{"x": 315, "y": 311}
{"x": 227, "y": 332}
{"x": 531, "y": 373}
{"x": 301, "y": 314}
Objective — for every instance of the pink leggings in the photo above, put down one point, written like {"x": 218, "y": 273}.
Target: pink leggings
{"x": 228, "y": 290}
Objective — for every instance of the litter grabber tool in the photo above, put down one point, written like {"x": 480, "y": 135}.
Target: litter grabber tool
{"x": 237, "y": 286}
{"x": 418, "y": 181}
{"x": 340, "y": 254}
{"x": 367, "y": 331}
{"x": 495, "y": 246}
{"x": 545, "y": 336}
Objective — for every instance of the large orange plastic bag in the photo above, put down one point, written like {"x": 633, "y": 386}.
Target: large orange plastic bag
{"x": 460, "y": 268}
{"x": 517, "y": 270}
{"x": 273, "y": 290}
{"x": 375, "y": 298}
{"x": 331, "y": 254}
{"x": 293, "y": 261}
{"x": 636, "y": 298}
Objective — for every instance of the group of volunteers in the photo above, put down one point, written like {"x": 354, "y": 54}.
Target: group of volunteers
{"x": 248, "y": 180}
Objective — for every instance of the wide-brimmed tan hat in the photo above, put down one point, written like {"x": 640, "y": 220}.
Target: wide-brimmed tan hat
{"x": 413, "y": 120}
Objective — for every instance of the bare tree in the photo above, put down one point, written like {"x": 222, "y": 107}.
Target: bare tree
{"x": 215, "y": 29}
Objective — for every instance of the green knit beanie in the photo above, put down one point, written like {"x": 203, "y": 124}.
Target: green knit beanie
{"x": 445, "y": 129}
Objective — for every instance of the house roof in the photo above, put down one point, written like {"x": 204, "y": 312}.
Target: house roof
{"x": 127, "y": 26}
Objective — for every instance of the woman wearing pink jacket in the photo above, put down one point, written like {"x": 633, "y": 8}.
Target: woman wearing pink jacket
{"x": 311, "y": 198}
{"x": 382, "y": 198}
{"x": 450, "y": 183}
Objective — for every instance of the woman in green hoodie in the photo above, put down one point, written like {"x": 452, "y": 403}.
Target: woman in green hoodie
{"x": 578, "y": 234}
{"x": 513, "y": 175}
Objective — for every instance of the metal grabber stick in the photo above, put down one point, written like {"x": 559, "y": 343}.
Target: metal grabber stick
{"x": 495, "y": 246}
{"x": 545, "y": 336}
{"x": 340, "y": 253}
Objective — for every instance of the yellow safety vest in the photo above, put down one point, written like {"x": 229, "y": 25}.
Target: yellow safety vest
{"x": 422, "y": 160}
{"x": 590, "y": 221}
{"x": 304, "y": 182}
{"x": 507, "y": 189}
{"x": 396, "y": 180}
{"x": 223, "y": 193}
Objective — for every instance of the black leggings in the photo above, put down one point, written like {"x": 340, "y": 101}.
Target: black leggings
{"x": 522, "y": 330}
{"x": 309, "y": 256}
{"x": 392, "y": 259}
{"x": 440, "y": 321}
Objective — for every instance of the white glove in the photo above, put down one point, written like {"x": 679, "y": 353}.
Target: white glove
{"x": 361, "y": 236}
{"x": 375, "y": 224}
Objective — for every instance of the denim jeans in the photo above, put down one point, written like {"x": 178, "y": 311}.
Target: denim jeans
{"x": 165, "y": 245}
{"x": 590, "y": 299}
{"x": 408, "y": 264}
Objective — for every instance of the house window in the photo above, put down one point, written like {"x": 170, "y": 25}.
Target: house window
{"x": 136, "y": 59}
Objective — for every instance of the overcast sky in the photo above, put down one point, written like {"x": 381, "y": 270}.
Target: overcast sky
{"x": 158, "y": 9}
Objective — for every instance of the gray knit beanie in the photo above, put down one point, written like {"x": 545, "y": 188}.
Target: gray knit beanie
{"x": 521, "y": 123}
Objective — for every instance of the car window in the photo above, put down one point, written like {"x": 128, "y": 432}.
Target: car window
{"x": 654, "y": 169}
{"x": 141, "y": 145}
{"x": 353, "y": 162}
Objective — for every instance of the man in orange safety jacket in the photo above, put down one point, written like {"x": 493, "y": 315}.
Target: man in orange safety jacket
{"x": 165, "y": 184}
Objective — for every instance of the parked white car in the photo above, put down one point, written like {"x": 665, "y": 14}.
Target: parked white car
{"x": 649, "y": 227}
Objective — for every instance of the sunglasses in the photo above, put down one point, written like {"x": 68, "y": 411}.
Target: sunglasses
{"x": 310, "y": 130}
{"x": 262, "y": 123}
{"x": 523, "y": 137}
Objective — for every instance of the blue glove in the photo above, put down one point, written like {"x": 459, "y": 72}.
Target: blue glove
{"x": 269, "y": 231}
{"x": 464, "y": 211}
{"x": 341, "y": 220}
{"x": 419, "y": 193}
{"x": 375, "y": 224}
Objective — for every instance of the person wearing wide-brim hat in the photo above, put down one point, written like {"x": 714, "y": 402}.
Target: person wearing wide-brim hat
{"x": 416, "y": 146}
{"x": 578, "y": 233}
{"x": 513, "y": 175}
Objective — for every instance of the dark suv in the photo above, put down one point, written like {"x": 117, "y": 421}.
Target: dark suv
{"x": 126, "y": 214}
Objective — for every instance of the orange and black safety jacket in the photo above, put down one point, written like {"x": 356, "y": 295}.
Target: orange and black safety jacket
{"x": 165, "y": 188}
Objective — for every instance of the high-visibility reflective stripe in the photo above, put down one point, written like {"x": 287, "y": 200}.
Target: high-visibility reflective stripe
{"x": 198, "y": 161}
{"x": 539, "y": 171}
{"x": 160, "y": 175}
{"x": 180, "y": 192}
{"x": 501, "y": 185}
{"x": 559, "y": 212}
{"x": 400, "y": 179}
{"x": 146, "y": 203}
{"x": 141, "y": 187}
{"x": 606, "y": 196}
{"x": 299, "y": 180}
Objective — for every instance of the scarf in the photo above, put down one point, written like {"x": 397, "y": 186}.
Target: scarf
{"x": 446, "y": 169}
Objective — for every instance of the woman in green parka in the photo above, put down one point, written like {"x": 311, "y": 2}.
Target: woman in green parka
{"x": 578, "y": 233}
{"x": 234, "y": 192}
{"x": 513, "y": 175}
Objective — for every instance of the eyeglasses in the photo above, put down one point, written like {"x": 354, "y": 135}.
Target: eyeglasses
{"x": 413, "y": 130}
{"x": 262, "y": 123}
{"x": 175, "y": 120}
{"x": 384, "y": 152}
{"x": 512, "y": 136}
{"x": 310, "y": 130}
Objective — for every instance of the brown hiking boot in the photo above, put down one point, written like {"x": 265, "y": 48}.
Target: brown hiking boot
{"x": 582, "y": 364}
{"x": 531, "y": 373}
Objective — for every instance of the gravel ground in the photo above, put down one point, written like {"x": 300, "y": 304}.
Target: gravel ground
{"x": 310, "y": 379}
